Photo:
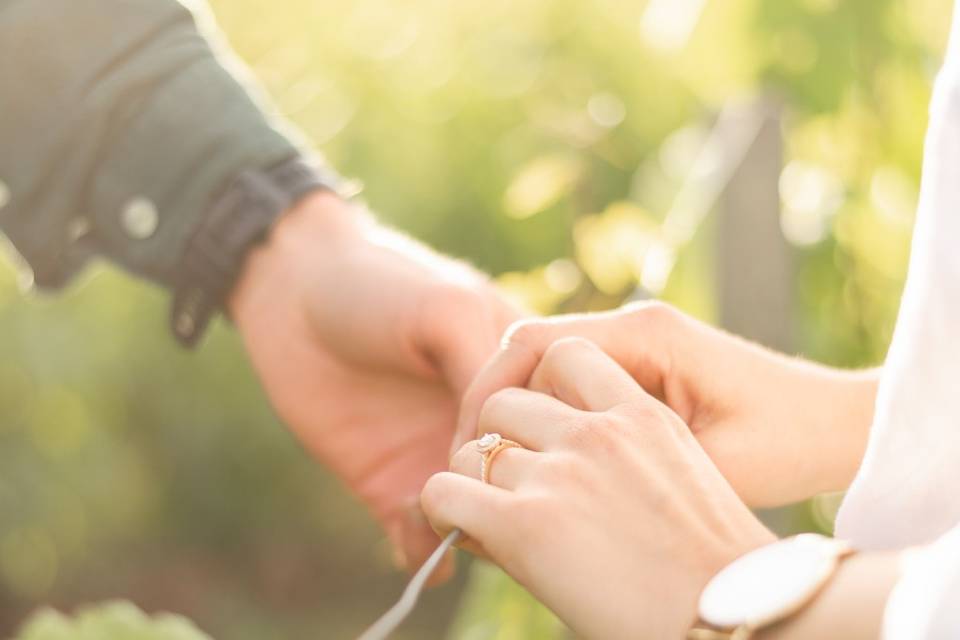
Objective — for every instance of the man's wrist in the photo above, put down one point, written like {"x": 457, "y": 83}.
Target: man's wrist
{"x": 321, "y": 218}
{"x": 241, "y": 218}
{"x": 321, "y": 221}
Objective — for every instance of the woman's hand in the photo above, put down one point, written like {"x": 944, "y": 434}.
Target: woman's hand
{"x": 612, "y": 514}
{"x": 780, "y": 429}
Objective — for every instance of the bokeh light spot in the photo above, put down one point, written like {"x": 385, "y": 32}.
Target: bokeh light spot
{"x": 563, "y": 276}
{"x": 611, "y": 245}
{"x": 606, "y": 109}
{"x": 811, "y": 194}
{"x": 541, "y": 184}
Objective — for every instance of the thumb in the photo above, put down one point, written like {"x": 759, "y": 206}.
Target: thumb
{"x": 508, "y": 367}
{"x": 460, "y": 354}
{"x": 466, "y": 332}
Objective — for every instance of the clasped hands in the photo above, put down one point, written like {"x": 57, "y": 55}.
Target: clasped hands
{"x": 645, "y": 433}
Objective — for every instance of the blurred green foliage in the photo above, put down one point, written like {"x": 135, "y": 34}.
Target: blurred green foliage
{"x": 544, "y": 141}
{"x": 111, "y": 621}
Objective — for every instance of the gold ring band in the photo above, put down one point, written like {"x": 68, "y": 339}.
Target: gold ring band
{"x": 489, "y": 446}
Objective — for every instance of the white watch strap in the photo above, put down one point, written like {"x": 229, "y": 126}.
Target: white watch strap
{"x": 769, "y": 584}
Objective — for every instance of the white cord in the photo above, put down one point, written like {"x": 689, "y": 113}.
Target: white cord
{"x": 395, "y": 616}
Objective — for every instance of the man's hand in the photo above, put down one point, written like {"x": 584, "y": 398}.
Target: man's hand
{"x": 780, "y": 429}
{"x": 365, "y": 342}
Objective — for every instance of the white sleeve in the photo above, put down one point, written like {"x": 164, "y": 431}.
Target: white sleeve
{"x": 907, "y": 491}
{"x": 925, "y": 603}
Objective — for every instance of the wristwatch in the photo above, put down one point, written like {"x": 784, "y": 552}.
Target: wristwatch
{"x": 767, "y": 586}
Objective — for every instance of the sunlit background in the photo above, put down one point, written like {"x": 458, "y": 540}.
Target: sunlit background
{"x": 755, "y": 162}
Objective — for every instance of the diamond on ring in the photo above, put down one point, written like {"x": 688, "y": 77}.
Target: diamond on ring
{"x": 488, "y": 442}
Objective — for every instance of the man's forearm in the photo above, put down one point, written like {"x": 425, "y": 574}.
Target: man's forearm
{"x": 128, "y": 135}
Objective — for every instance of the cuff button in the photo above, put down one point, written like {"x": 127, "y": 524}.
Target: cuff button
{"x": 140, "y": 218}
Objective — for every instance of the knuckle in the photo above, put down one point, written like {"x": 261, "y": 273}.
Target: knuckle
{"x": 572, "y": 343}
{"x": 639, "y": 413}
{"x": 505, "y": 396}
{"x": 577, "y": 435}
{"x": 607, "y": 424}
{"x": 653, "y": 418}
{"x": 535, "y": 332}
{"x": 603, "y": 433}
{"x": 652, "y": 314}
{"x": 465, "y": 459}
{"x": 496, "y": 408}
{"x": 561, "y": 348}
{"x": 526, "y": 332}
{"x": 488, "y": 414}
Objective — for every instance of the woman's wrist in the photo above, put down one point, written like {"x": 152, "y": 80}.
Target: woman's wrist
{"x": 850, "y": 607}
{"x": 806, "y": 586}
{"x": 813, "y": 421}
{"x": 849, "y": 396}
{"x": 749, "y": 534}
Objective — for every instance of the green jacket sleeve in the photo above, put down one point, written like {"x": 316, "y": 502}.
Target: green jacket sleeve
{"x": 119, "y": 126}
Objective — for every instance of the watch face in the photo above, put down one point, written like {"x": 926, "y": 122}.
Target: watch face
{"x": 771, "y": 582}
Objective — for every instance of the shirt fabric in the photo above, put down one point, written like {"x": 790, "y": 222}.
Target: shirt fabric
{"x": 907, "y": 491}
{"x": 123, "y": 122}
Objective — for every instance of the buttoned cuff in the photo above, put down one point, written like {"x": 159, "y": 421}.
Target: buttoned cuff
{"x": 240, "y": 219}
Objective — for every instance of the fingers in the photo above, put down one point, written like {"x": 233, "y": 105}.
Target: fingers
{"x": 507, "y": 469}
{"x": 521, "y": 349}
{"x": 639, "y": 336}
{"x": 533, "y": 419}
{"x": 579, "y": 373}
{"x": 511, "y": 366}
{"x": 507, "y": 368}
{"x": 451, "y": 500}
